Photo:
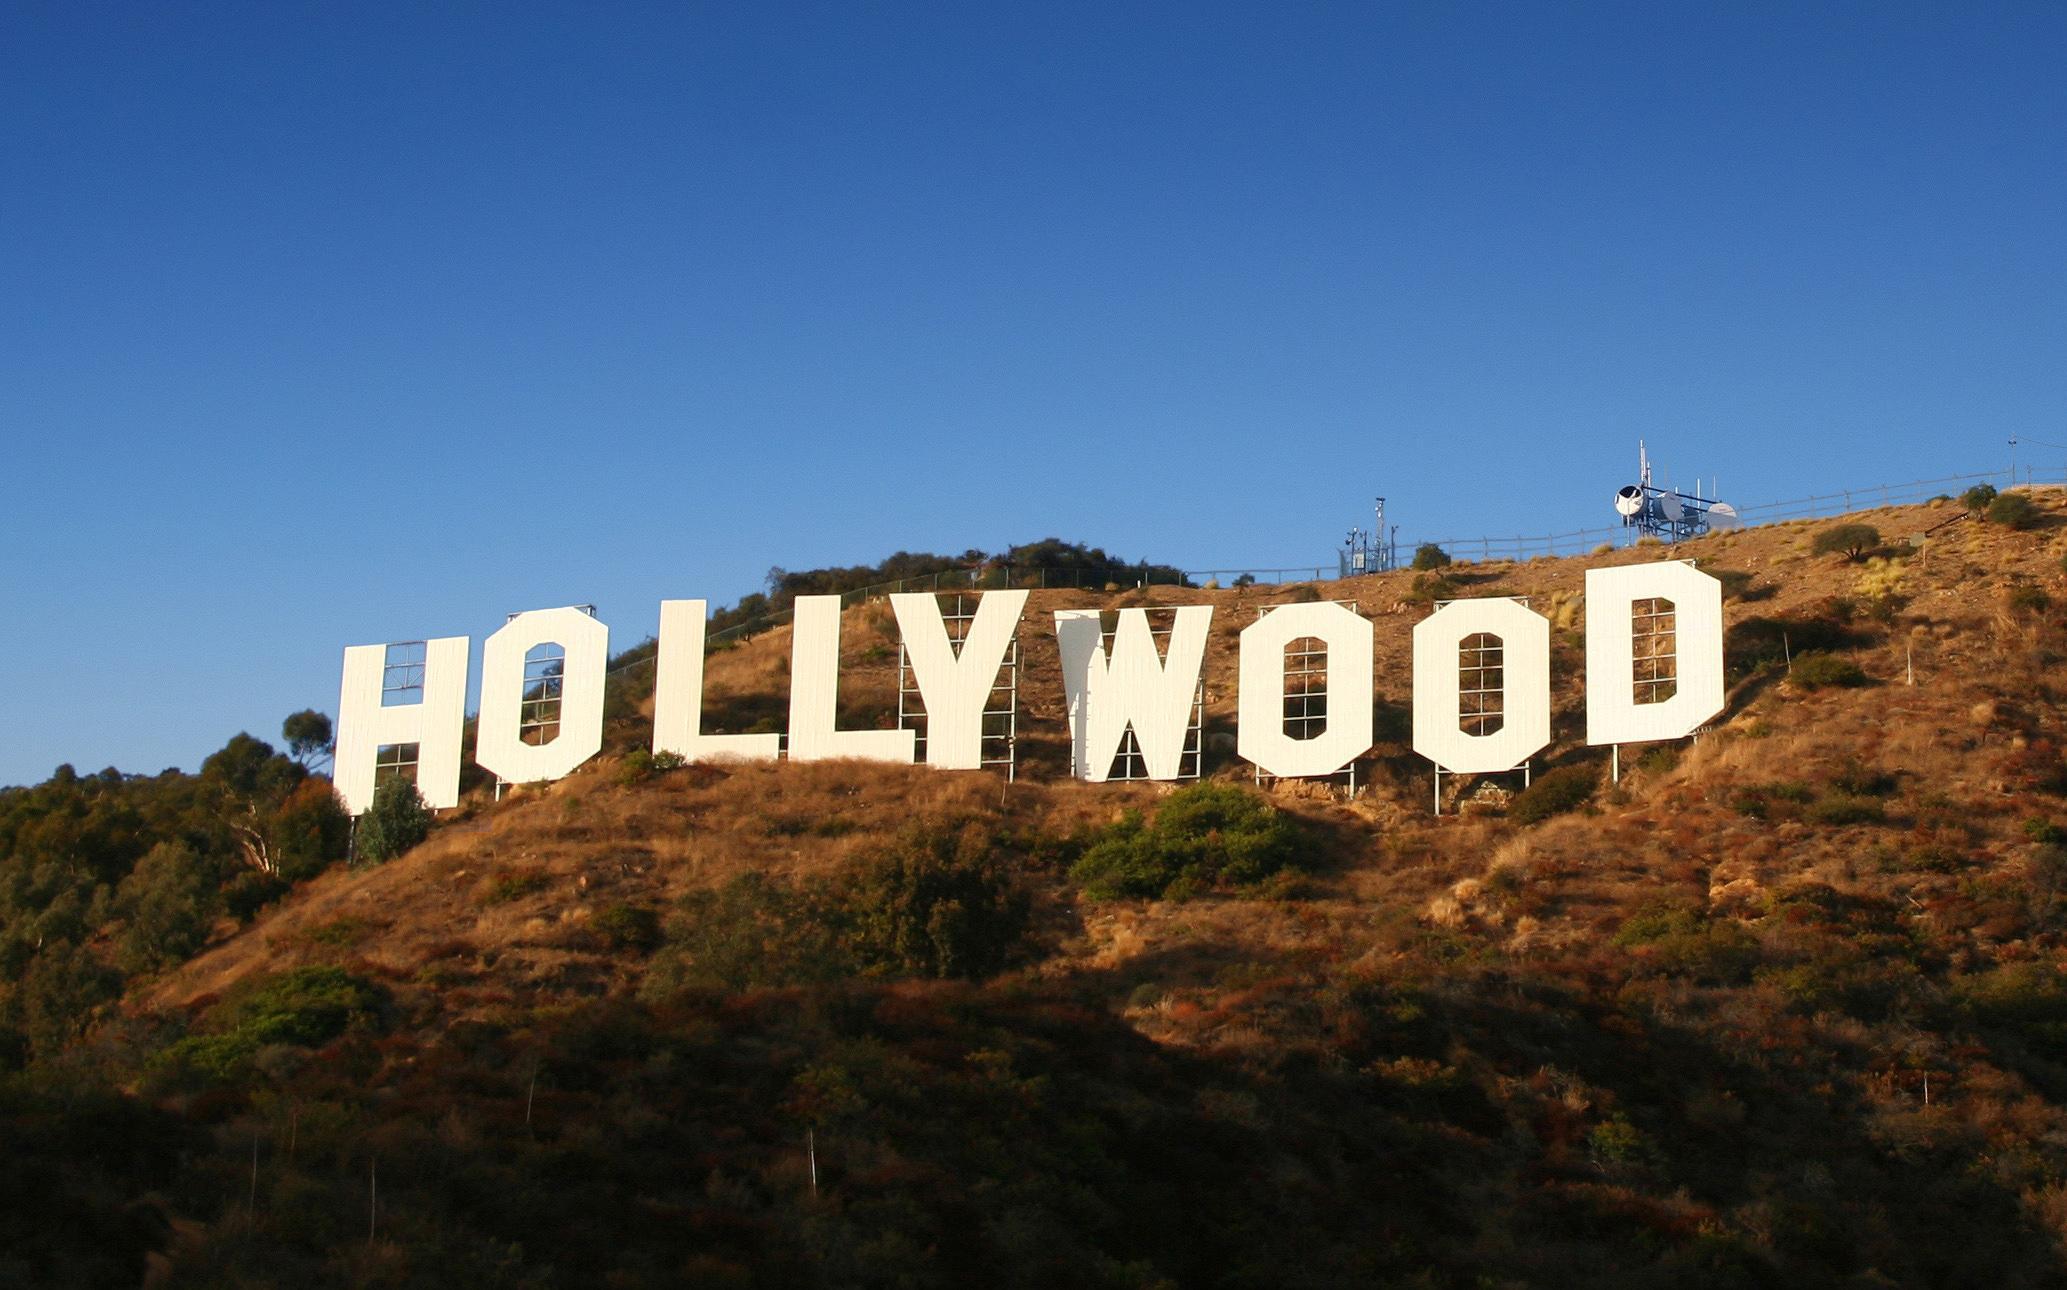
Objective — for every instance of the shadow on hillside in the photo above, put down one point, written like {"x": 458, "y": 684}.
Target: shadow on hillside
{"x": 1593, "y": 1131}
{"x": 1197, "y": 961}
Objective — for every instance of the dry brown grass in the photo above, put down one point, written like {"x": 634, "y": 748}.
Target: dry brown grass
{"x": 501, "y": 898}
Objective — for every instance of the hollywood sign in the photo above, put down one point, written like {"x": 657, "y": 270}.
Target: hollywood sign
{"x": 1110, "y": 689}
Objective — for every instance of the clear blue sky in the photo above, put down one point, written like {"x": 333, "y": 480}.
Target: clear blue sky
{"x": 334, "y": 324}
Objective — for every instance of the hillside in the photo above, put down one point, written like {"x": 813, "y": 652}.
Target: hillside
{"x": 1785, "y": 1006}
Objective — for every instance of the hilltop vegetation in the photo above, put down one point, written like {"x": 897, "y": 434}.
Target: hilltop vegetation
{"x": 1050, "y": 561}
{"x": 110, "y": 875}
{"x": 1784, "y": 1006}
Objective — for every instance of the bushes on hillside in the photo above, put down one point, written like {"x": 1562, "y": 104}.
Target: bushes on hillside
{"x": 1849, "y": 540}
{"x": 626, "y": 926}
{"x": 940, "y": 901}
{"x": 1978, "y": 497}
{"x": 1816, "y": 670}
{"x": 1554, "y": 792}
{"x": 1428, "y": 588}
{"x": 1758, "y": 642}
{"x": 1685, "y": 942}
{"x": 2025, "y": 1002}
{"x": 2012, "y": 511}
{"x": 1204, "y": 837}
{"x": 935, "y": 903}
{"x": 1845, "y": 808}
{"x": 753, "y": 931}
{"x": 1430, "y": 556}
{"x": 303, "y": 1007}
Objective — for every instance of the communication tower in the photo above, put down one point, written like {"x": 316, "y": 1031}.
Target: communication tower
{"x": 1369, "y": 552}
{"x": 1664, "y": 512}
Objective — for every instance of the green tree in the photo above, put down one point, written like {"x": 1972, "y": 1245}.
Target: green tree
{"x": 61, "y": 993}
{"x": 168, "y": 902}
{"x": 310, "y": 831}
{"x": 397, "y": 821}
{"x": 308, "y": 735}
{"x": 250, "y": 770}
{"x": 1976, "y": 499}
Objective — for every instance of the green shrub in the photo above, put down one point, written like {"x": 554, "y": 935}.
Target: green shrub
{"x": 2029, "y": 599}
{"x": 1204, "y": 837}
{"x": 1848, "y": 540}
{"x": 1659, "y": 759}
{"x": 1427, "y": 588}
{"x": 1861, "y": 780}
{"x": 629, "y": 927}
{"x": 1978, "y": 497}
{"x": 2044, "y": 832}
{"x": 939, "y": 901}
{"x": 397, "y": 821}
{"x": 634, "y": 767}
{"x": 1430, "y": 556}
{"x": 1683, "y": 942}
{"x": 514, "y": 884}
{"x": 305, "y": 1007}
{"x": 2026, "y": 1001}
{"x": 1553, "y": 793}
{"x": 1756, "y": 642}
{"x": 1815, "y": 670}
{"x": 250, "y": 891}
{"x": 753, "y": 931}
{"x": 936, "y": 903}
{"x": 1617, "y": 1144}
{"x": 1845, "y": 808}
{"x": 1758, "y": 800}
{"x": 2012, "y": 511}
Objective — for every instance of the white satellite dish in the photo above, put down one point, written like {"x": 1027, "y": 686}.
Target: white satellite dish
{"x": 1670, "y": 504}
{"x": 1722, "y": 515}
{"x": 1629, "y": 500}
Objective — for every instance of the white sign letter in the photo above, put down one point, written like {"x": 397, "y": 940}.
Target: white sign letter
{"x": 814, "y": 689}
{"x": 433, "y": 724}
{"x": 956, "y": 687}
{"x": 505, "y": 690}
{"x": 678, "y": 694}
{"x": 1132, "y": 688}
{"x": 1691, "y": 657}
{"x": 1510, "y": 674}
{"x": 1261, "y": 736}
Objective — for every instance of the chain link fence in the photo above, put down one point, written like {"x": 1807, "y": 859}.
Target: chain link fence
{"x": 1582, "y": 541}
{"x": 1576, "y": 542}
